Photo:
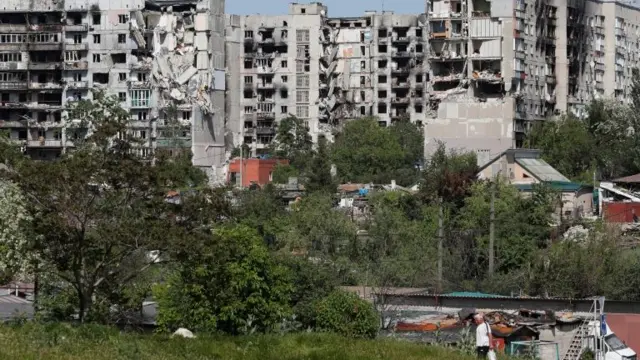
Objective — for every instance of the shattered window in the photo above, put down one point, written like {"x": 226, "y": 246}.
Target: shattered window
{"x": 77, "y": 39}
{"x": 302, "y": 111}
{"x": 248, "y": 79}
{"x": 122, "y": 76}
{"x": 123, "y": 18}
{"x": 96, "y": 19}
{"x": 139, "y": 98}
{"x": 248, "y": 34}
{"x": 302, "y": 81}
{"x": 96, "y": 58}
{"x": 122, "y": 96}
{"x": 96, "y": 38}
{"x": 283, "y": 109}
{"x": 302, "y": 96}
{"x": 186, "y": 115}
{"x": 302, "y": 35}
{"x": 122, "y": 38}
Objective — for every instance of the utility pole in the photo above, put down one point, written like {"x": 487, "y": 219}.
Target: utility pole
{"x": 492, "y": 230}
{"x": 440, "y": 243}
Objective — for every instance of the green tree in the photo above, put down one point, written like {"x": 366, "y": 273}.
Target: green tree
{"x": 568, "y": 145}
{"x": 293, "y": 142}
{"x": 411, "y": 137}
{"x": 318, "y": 177}
{"x": 448, "y": 176}
{"x": 16, "y": 237}
{"x": 99, "y": 210}
{"x": 366, "y": 152}
{"x": 282, "y": 173}
{"x": 348, "y": 315}
{"x": 230, "y": 284}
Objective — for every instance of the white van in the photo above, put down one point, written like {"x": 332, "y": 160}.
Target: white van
{"x": 615, "y": 349}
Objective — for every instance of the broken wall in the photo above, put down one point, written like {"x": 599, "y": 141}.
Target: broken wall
{"x": 471, "y": 125}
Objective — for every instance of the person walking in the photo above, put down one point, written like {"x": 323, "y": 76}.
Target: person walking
{"x": 484, "y": 339}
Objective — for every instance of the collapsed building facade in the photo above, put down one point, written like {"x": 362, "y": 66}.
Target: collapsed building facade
{"x": 163, "y": 59}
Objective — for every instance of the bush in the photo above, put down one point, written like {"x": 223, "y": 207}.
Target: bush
{"x": 312, "y": 282}
{"x": 348, "y": 315}
{"x": 231, "y": 285}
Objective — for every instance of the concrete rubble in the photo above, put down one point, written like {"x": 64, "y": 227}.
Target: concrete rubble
{"x": 173, "y": 57}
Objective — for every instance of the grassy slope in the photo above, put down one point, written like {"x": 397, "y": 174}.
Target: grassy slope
{"x": 97, "y": 343}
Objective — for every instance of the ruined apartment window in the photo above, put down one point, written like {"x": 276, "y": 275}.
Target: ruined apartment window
{"x": 419, "y": 78}
{"x": 248, "y": 94}
{"x": 96, "y": 38}
{"x": 5, "y": 97}
{"x": 382, "y": 48}
{"x": 382, "y": 108}
{"x": 101, "y": 78}
{"x": 283, "y": 109}
{"x": 119, "y": 58}
{"x": 71, "y": 56}
{"x": 96, "y": 19}
{"x": 363, "y": 80}
{"x": 22, "y": 134}
{"x": 302, "y": 35}
{"x": 363, "y": 65}
{"x": 382, "y": 33}
{"x": 302, "y": 81}
{"x": 142, "y": 77}
{"x": 419, "y": 48}
{"x": 123, "y": 19}
{"x": 142, "y": 116}
{"x": 284, "y": 93}
{"x": 284, "y": 78}
{"x": 283, "y": 63}
{"x": 11, "y": 57}
{"x": 248, "y": 79}
{"x": 248, "y": 109}
{"x": 302, "y": 111}
{"x": 382, "y": 64}
{"x": 382, "y": 79}
{"x": 302, "y": 96}
{"x": 382, "y": 94}
{"x": 419, "y": 33}
{"x": 140, "y": 98}
{"x": 248, "y": 64}
{"x": 248, "y": 34}
{"x": 186, "y": 115}
{"x": 418, "y": 109}
{"x": 122, "y": 38}
{"x": 77, "y": 39}
{"x": 363, "y": 110}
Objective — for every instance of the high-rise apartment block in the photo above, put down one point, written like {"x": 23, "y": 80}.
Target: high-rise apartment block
{"x": 164, "y": 60}
{"x": 476, "y": 74}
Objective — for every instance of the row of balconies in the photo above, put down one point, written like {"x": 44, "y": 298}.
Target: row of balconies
{"x": 44, "y": 28}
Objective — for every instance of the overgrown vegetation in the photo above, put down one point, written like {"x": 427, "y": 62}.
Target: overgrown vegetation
{"x": 62, "y": 342}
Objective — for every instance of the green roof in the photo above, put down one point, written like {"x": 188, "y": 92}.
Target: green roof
{"x": 562, "y": 186}
{"x": 470, "y": 294}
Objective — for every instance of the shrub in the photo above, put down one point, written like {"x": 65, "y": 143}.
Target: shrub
{"x": 312, "y": 282}
{"x": 230, "y": 285}
{"x": 346, "y": 314}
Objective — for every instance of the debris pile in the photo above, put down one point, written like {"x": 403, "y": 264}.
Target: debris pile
{"x": 174, "y": 58}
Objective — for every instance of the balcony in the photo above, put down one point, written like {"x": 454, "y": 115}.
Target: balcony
{"x": 76, "y": 65}
{"x": 265, "y": 130}
{"x": 400, "y": 54}
{"x": 266, "y": 86}
{"x": 401, "y": 70}
{"x": 77, "y": 28}
{"x": 400, "y": 84}
{"x": 44, "y": 28}
{"x": 77, "y": 85}
{"x": 400, "y": 100}
{"x": 265, "y": 70}
{"x": 54, "y": 65}
{"x": 140, "y": 103}
{"x": 51, "y": 85}
{"x": 401, "y": 39}
{"x": 249, "y": 131}
{"x": 44, "y": 143}
{"x": 265, "y": 116}
{"x": 48, "y": 46}
{"x": 77, "y": 47}
{"x": 13, "y": 85}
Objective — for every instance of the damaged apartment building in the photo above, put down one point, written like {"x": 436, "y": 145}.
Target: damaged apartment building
{"x": 499, "y": 66}
{"x": 323, "y": 70}
{"x": 163, "y": 59}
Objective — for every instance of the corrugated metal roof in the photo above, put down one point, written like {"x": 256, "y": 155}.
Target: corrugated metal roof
{"x": 556, "y": 185}
{"x": 541, "y": 170}
{"x": 469, "y": 294}
{"x": 631, "y": 179}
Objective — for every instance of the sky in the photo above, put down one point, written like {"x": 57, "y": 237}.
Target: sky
{"x": 336, "y": 7}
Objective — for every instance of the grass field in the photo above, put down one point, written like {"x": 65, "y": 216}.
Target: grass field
{"x": 97, "y": 343}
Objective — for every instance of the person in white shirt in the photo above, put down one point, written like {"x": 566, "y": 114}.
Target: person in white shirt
{"x": 484, "y": 339}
